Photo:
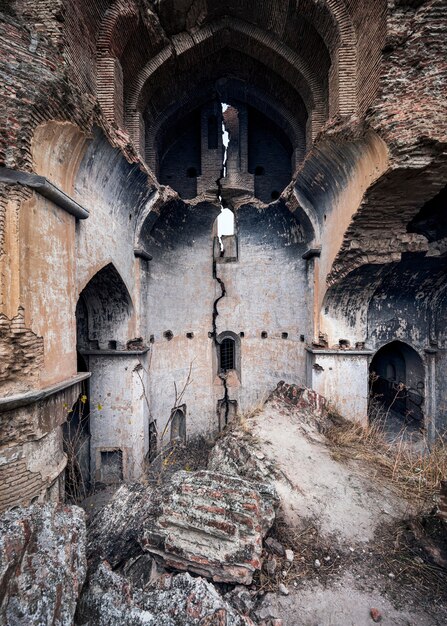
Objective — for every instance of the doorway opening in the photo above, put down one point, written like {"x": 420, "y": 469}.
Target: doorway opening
{"x": 397, "y": 388}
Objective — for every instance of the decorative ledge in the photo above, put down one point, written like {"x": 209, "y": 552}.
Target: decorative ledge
{"x": 142, "y": 254}
{"x": 312, "y": 253}
{"x": 30, "y": 397}
{"x": 114, "y": 352}
{"x": 340, "y": 352}
{"x": 45, "y": 188}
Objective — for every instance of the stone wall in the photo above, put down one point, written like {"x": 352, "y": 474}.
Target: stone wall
{"x": 266, "y": 310}
{"x": 92, "y": 87}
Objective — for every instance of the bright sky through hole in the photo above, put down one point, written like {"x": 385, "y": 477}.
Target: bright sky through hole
{"x": 225, "y": 221}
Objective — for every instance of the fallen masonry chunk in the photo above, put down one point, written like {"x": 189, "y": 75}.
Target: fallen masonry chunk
{"x": 376, "y": 615}
{"x": 241, "y": 599}
{"x": 274, "y": 546}
{"x": 114, "y": 531}
{"x": 271, "y": 565}
{"x": 42, "y": 564}
{"x": 237, "y": 455}
{"x": 111, "y": 600}
{"x": 211, "y": 524}
{"x": 283, "y": 589}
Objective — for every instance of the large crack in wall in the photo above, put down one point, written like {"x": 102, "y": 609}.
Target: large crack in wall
{"x": 225, "y": 401}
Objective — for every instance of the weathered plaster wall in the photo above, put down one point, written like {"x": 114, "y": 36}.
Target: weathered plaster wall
{"x": 342, "y": 377}
{"x": 265, "y": 293}
{"x": 118, "y": 411}
{"x": 48, "y": 286}
{"x": 181, "y": 293}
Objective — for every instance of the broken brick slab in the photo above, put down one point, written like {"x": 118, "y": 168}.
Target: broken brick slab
{"x": 212, "y": 524}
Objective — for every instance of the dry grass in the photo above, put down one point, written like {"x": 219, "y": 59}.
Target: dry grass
{"x": 415, "y": 550}
{"x": 251, "y": 412}
{"x": 415, "y": 471}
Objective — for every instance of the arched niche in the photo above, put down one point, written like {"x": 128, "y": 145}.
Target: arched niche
{"x": 104, "y": 312}
{"x": 270, "y": 95}
{"x": 178, "y": 424}
{"x": 57, "y": 150}
{"x": 397, "y": 376}
{"x": 247, "y": 39}
{"x": 118, "y": 26}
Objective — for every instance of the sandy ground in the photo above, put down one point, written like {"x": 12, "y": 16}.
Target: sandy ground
{"x": 354, "y": 512}
{"x": 342, "y": 604}
{"x": 350, "y": 506}
{"x": 345, "y": 501}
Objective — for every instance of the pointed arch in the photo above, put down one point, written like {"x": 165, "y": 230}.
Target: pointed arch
{"x": 104, "y": 311}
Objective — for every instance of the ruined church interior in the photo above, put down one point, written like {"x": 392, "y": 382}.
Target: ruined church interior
{"x": 223, "y": 231}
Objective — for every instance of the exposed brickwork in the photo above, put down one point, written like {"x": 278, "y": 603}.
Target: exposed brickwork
{"x": 301, "y": 397}
{"x": 18, "y": 486}
{"x": 35, "y": 91}
{"x": 118, "y": 26}
{"x": 410, "y": 116}
{"x": 21, "y": 354}
{"x": 225, "y": 513}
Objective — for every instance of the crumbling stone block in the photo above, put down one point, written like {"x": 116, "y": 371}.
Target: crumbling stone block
{"x": 110, "y": 600}
{"x": 212, "y": 524}
{"x": 42, "y": 564}
{"x": 114, "y": 531}
{"x": 301, "y": 397}
{"x": 236, "y": 454}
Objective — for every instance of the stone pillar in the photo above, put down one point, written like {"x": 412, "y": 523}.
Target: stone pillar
{"x": 430, "y": 394}
{"x": 312, "y": 256}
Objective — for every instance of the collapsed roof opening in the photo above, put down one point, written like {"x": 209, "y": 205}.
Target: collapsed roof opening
{"x": 230, "y": 142}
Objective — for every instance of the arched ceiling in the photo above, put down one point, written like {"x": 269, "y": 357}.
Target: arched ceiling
{"x": 289, "y": 52}
{"x": 244, "y": 79}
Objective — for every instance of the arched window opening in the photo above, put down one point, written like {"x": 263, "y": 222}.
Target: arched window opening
{"x": 213, "y": 133}
{"x": 153, "y": 441}
{"x": 259, "y": 170}
{"x": 191, "y": 172}
{"x": 228, "y": 352}
{"x": 178, "y": 425}
{"x": 227, "y": 355}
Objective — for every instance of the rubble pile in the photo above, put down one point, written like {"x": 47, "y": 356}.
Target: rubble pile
{"x": 114, "y": 531}
{"x": 111, "y": 600}
{"x": 180, "y": 552}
